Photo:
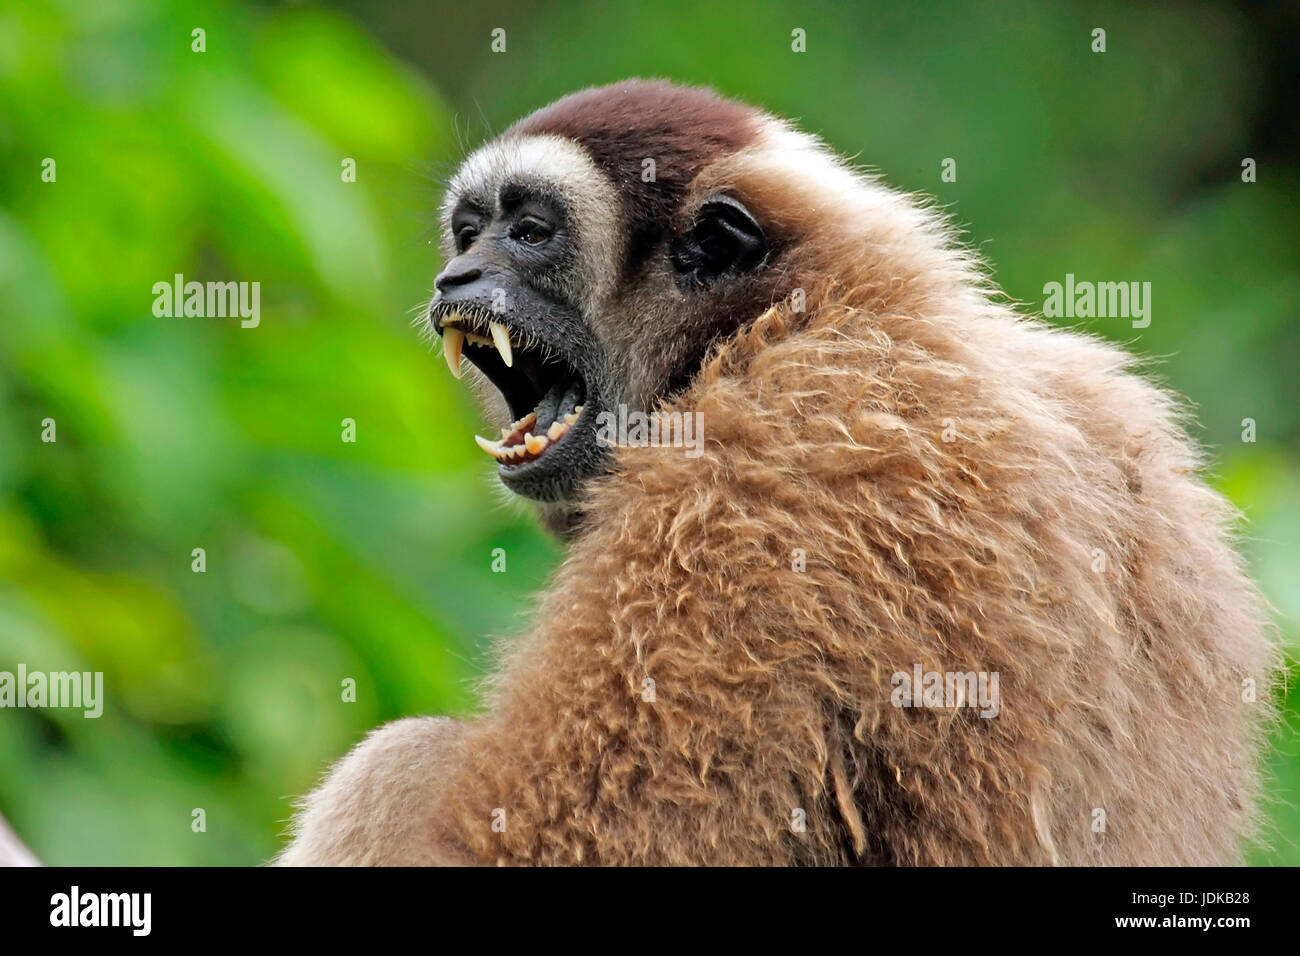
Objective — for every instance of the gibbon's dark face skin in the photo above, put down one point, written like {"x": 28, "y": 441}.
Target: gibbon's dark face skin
{"x": 526, "y": 336}
{"x": 547, "y": 242}
{"x": 551, "y": 372}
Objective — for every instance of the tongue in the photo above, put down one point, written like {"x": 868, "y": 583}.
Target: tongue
{"x": 547, "y": 409}
{"x": 556, "y": 403}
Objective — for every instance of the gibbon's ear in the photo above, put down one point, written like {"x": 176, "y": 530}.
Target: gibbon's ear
{"x": 724, "y": 239}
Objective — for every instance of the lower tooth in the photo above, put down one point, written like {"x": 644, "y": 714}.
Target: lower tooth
{"x": 556, "y": 430}
{"x": 535, "y": 446}
{"x": 493, "y": 448}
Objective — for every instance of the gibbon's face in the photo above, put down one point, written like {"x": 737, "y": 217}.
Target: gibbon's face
{"x": 583, "y": 274}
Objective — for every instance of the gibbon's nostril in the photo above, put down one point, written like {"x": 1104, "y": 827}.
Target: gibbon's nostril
{"x": 456, "y": 274}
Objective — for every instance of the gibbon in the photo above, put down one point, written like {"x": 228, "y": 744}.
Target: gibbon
{"x": 939, "y": 583}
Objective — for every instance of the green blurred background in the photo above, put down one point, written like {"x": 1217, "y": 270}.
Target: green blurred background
{"x": 371, "y": 560}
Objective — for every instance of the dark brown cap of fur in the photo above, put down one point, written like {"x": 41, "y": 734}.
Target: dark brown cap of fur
{"x": 681, "y": 128}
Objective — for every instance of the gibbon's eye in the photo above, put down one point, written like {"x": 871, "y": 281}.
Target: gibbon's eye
{"x": 532, "y": 231}
{"x": 465, "y": 235}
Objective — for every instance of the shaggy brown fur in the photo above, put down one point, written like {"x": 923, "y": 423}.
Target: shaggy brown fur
{"x": 1121, "y": 688}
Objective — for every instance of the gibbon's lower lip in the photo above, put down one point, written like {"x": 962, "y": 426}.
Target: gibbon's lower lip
{"x": 545, "y": 393}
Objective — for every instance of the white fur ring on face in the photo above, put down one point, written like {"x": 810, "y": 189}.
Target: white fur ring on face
{"x": 593, "y": 205}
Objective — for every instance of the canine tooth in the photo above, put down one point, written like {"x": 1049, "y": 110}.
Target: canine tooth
{"x": 535, "y": 445}
{"x": 452, "y": 340}
{"x": 556, "y": 430}
{"x": 493, "y": 448}
{"x": 502, "y": 339}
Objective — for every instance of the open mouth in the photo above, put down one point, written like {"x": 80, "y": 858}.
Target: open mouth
{"x": 545, "y": 392}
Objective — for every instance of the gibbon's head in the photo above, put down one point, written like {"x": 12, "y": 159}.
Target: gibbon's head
{"x": 598, "y": 248}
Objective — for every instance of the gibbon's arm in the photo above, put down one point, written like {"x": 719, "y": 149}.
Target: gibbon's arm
{"x": 374, "y": 806}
